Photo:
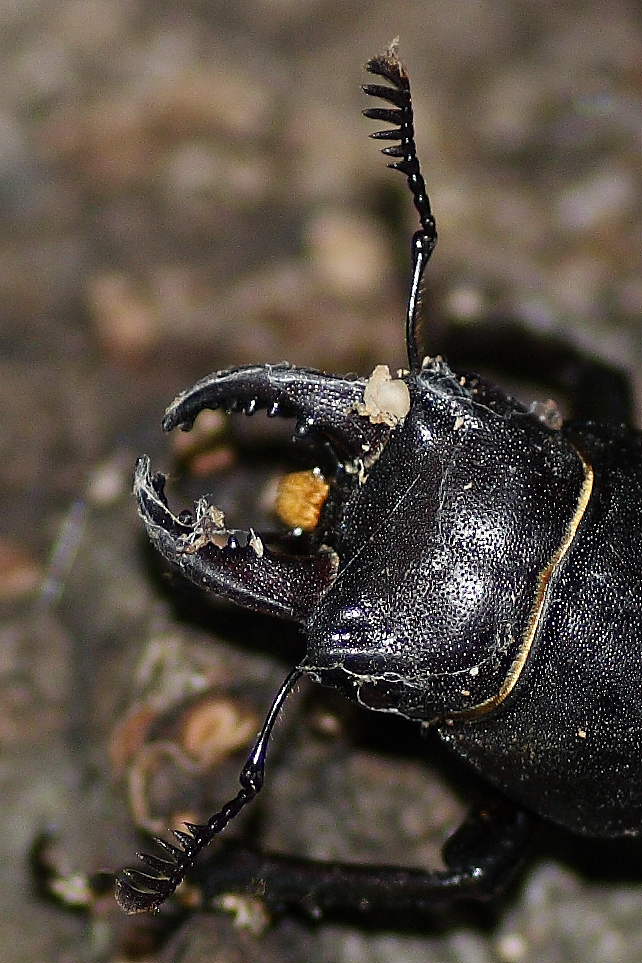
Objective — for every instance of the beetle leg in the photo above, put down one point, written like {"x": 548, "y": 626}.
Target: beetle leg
{"x": 236, "y": 565}
{"x": 322, "y": 404}
{"x": 481, "y": 858}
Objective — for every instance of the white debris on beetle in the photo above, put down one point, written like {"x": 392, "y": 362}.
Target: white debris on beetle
{"x": 209, "y": 528}
{"x": 210, "y": 513}
{"x": 255, "y": 543}
{"x": 548, "y": 412}
{"x": 581, "y": 733}
{"x": 357, "y": 467}
{"x": 392, "y": 50}
{"x": 459, "y": 422}
{"x": 386, "y": 400}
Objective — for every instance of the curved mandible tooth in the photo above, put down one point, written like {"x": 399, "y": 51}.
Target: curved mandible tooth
{"x": 149, "y": 491}
{"x": 243, "y": 570}
{"x": 324, "y": 403}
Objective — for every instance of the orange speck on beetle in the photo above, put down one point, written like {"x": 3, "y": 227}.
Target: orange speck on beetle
{"x": 300, "y": 498}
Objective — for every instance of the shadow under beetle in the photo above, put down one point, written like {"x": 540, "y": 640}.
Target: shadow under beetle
{"x": 474, "y": 567}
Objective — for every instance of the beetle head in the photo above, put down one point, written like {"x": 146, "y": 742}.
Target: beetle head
{"x": 421, "y": 586}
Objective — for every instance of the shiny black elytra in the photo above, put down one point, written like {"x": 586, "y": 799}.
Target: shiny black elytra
{"x": 475, "y": 568}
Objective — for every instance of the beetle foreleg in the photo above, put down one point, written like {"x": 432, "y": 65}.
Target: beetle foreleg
{"x": 481, "y": 859}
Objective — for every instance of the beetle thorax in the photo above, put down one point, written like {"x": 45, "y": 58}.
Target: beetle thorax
{"x": 442, "y": 552}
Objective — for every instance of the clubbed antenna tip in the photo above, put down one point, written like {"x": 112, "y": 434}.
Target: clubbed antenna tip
{"x": 400, "y": 114}
{"x": 144, "y": 892}
{"x": 389, "y": 66}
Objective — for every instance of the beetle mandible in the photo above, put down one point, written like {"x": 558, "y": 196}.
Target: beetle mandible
{"x": 473, "y": 568}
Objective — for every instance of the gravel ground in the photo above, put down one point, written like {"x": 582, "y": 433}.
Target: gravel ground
{"x": 189, "y": 186}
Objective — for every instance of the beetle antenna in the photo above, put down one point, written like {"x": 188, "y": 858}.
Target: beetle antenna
{"x": 389, "y": 66}
{"x": 138, "y": 892}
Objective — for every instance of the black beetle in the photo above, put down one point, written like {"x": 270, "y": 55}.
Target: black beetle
{"x": 474, "y": 567}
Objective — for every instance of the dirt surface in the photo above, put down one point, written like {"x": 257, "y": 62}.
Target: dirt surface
{"x": 189, "y": 186}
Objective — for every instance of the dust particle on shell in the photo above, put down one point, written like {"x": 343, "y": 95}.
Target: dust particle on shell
{"x": 386, "y": 400}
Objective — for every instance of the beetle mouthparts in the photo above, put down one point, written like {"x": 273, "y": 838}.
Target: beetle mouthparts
{"x": 259, "y": 571}
{"x": 322, "y": 404}
{"x": 237, "y": 565}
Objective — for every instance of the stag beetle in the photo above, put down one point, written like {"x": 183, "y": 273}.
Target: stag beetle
{"x": 473, "y": 567}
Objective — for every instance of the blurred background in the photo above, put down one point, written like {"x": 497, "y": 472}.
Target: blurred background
{"x": 188, "y": 186}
